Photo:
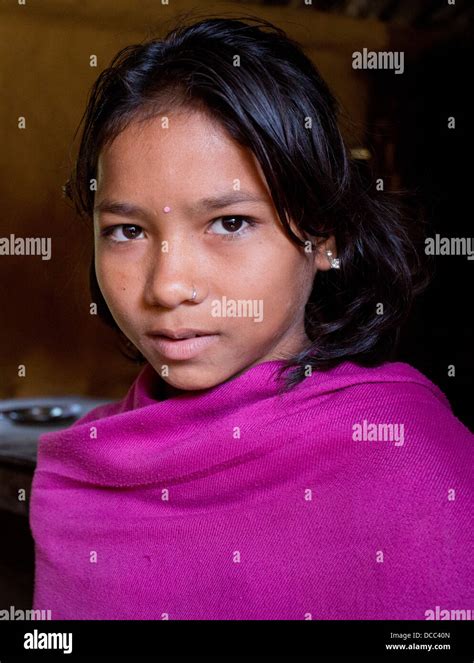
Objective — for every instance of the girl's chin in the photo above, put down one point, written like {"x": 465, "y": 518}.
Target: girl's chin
{"x": 186, "y": 375}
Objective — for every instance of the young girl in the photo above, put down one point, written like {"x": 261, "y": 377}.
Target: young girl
{"x": 268, "y": 462}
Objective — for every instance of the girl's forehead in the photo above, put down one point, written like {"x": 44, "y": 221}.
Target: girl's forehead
{"x": 180, "y": 150}
{"x": 191, "y": 128}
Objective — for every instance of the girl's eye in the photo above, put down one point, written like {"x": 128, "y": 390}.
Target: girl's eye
{"x": 128, "y": 231}
{"x": 232, "y": 226}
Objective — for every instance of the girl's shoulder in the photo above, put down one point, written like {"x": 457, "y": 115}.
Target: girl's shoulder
{"x": 389, "y": 392}
{"x": 398, "y": 376}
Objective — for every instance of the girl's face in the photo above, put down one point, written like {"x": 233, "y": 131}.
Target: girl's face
{"x": 251, "y": 281}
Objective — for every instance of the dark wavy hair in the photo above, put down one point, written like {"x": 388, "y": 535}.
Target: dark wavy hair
{"x": 276, "y": 104}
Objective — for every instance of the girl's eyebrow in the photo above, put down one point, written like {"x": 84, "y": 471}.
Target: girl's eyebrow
{"x": 120, "y": 209}
{"x": 224, "y": 200}
{"x": 212, "y": 202}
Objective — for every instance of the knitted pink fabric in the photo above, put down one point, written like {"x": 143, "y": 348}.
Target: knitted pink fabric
{"x": 238, "y": 503}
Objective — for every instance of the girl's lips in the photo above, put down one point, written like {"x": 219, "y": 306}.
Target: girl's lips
{"x": 185, "y": 348}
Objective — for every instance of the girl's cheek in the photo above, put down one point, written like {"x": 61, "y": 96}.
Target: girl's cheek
{"x": 113, "y": 286}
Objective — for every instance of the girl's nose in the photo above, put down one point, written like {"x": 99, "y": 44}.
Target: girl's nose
{"x": 173, "y": 277}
